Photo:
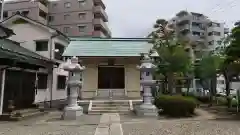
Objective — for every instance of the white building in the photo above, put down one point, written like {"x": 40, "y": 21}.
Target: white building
{"x": 47, "y": 42}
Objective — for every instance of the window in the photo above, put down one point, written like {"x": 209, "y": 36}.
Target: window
{"x": 15, "y": 12}
{"x": 54, "y": 5}
{"x": 42, "y": 14}
{"x": 81, "y": 28}
{"x": 5, "y": 14}
{"x": 220, "y": 82}
{"x": 219, "y": 42}
{"x": 42, "y": 81}
{"x": 196, "y": 33}
{"x": 216, "y": 33}
{"x": 66, "y": 29}
{"x": 66, "y": 17}
{"x": 81, "y": 2}
{"x": 82, "y": 15}
{"x": 41, "y": 45}
{"x": 25, "y": 13}
{"x": 59, "y": 51}
{"x": 211, "y": 42}
{"x": 196, "y": 24}
{"x": 213, "y": 24}
{"x": 210, "y": 33}
{"x": 67, "y": 5}
{"x": 61, "y": 82}
{"x": 216, "y": 24}
{"x": 50, "y": 18}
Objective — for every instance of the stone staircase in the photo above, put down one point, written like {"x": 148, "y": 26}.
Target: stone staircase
{"x": 23, "y": 114}
{"x": 98, "y": 107}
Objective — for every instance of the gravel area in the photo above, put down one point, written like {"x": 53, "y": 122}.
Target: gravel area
{"x": 130, "y": 125}
{"x": 180, "y": 127}
{"x": 51, "y": 125}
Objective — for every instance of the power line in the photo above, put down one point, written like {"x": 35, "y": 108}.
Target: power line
{"x": 230, "y": 5}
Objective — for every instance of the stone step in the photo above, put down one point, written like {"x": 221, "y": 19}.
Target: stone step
{"x": 99, "y": 112}
{"x": 106, "y": 105}
{"x": 28, "y": 116}
{"x": 112, "y": 102}
{"x": 30, "y": 110}
{"x": 110, "y": 108}
{"x": 25, "y": 114}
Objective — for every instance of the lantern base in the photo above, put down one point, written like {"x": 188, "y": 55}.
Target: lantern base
{"x": 148, "y": 110}
{"x": 72, "y": 112}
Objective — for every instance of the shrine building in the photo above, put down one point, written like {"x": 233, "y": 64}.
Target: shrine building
{"x": 111, "y": 66}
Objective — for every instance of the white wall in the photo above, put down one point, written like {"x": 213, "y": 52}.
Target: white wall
{"x": 25, "y": 35}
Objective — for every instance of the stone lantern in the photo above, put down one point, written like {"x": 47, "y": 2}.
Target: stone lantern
{"x": 147, "y": 68}
{"x": 72, "y": 111}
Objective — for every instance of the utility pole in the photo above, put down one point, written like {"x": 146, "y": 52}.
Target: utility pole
{"x": 2, "y": 9}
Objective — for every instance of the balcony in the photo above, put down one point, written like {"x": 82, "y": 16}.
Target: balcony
{"x": 98, "y": 33}
{"x": 226, "y": 30}
{"x": 198, "y": 29}
{"x": 99, "y": 22}
{"x": 43, "y": 7}
{"x": 184, "y": 28}
{"x": 42, "y": 16}
{"x": 99, "y": 10}
{"x": 199, "y": 38}
{"x": 99, "y": 2}
{"x": 183, "y": 19}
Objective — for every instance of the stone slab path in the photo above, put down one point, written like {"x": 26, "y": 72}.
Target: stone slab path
{"x": 109, "y": 125}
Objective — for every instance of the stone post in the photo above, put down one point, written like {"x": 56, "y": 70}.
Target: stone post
{"x": 72, "y": 111}
{"x": 147, "y": 68}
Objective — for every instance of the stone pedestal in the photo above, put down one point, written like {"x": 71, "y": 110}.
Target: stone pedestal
{"x": 147, "y": 108}
{"x": 72, "y": 111}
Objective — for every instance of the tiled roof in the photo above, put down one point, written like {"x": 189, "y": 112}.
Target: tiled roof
{"x": 107, "y": 47}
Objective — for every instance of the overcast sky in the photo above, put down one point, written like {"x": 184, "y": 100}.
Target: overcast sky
{"x": 134, "y": 18}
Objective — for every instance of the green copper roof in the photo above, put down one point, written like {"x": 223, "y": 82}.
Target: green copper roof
{"x": 107, "y": 47}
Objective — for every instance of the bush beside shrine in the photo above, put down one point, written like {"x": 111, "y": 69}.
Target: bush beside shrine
{"x": 176, "y": 106}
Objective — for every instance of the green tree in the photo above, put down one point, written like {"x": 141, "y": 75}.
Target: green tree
{"x": 231, "y": 64}
{"x": 173, "y": 59}
{"x": 207, "y": 71}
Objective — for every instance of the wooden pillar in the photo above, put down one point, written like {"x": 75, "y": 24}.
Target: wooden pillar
{"x": 2, "y": 90}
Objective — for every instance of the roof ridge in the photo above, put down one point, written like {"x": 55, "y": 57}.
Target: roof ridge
{"x": 107, "y": 39}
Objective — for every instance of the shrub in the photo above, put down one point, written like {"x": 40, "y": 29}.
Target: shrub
{"x": 221, "y": 101}
{"x": 204, "y": 99}
{"x": 176, "y": 106}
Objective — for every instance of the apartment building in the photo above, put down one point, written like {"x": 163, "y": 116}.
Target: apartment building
{"x": 203, "y": 33}
{"x": 37, "y": 10}
{"x": 71, "y": 17}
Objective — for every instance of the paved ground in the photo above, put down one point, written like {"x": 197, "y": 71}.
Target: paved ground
{"x": 51, "y": 125}
{"x": 113, "y": 124}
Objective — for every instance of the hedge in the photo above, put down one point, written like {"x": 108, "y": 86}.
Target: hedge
{"x": 176, "y": 106}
